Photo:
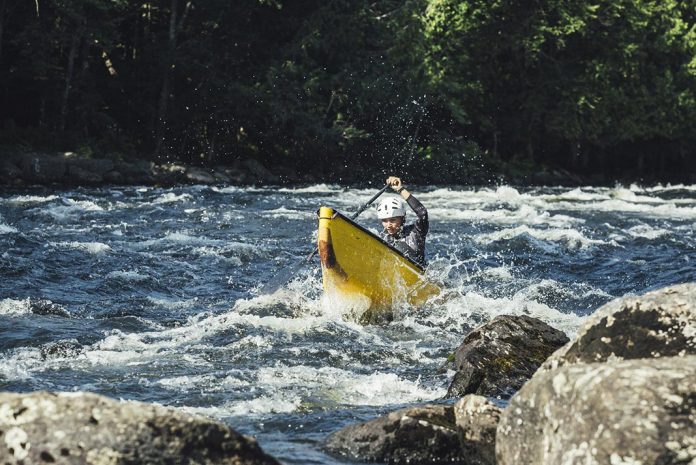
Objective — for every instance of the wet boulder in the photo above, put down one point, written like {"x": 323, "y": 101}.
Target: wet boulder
{"x": 624, "y": 391}
{"x": 417, "y": 435}
{"x": 477, "y": 420}
{"x": 46, "y": 307}
{"x": 43, "y": 167}
{"x": 498, "y": 357}
{"x": 258, "y": 172}
{"x": 136, "y": 172}
{"x": 9, "y": 172}
{"x": 200, "y": 176}
{"x": 61, "y": 349}
{"x": 43, "y": 427}
{"x": 624, "y": 412}
{"x": 83, "y": 170}
{"x": 661, "y": 323}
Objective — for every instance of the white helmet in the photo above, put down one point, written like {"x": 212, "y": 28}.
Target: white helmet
{"x": 390, "y": 207}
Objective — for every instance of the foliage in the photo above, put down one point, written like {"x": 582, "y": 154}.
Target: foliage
{"x": 435, "y": 89}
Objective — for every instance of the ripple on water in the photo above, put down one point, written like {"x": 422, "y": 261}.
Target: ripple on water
{"x": 158, "y": 289}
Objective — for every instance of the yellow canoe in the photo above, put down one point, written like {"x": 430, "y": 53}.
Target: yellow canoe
{"x": 360, "y": 268}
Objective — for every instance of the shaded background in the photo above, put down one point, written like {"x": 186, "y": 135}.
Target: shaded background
{"x": 438, "y": 90}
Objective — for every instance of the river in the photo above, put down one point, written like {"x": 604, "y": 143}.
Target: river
{"x": 151, "y": 293}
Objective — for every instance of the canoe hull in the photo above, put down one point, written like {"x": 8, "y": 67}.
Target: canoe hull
{"x": 358, "y": 265}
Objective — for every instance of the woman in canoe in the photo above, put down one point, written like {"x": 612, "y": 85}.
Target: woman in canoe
{"x": 407, "y": 239}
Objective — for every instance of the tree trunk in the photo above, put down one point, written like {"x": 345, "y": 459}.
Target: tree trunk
{"x": 3, "y": 5}
{"x": 495, "y": 143}
{"x": 166, "y": 80}
{"x": 74, "y": 46}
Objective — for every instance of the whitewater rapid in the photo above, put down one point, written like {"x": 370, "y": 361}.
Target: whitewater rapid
{"x": 152, "y": 293}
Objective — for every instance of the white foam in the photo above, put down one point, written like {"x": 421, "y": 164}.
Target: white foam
{"x": 25, "y": 199}
{"x": 572, "y": 238}
{"x": 669, "y": 187}
{"x": 231, "y": 252}
{"x": 209, "y": 383}
{"x": 629, "y": 195}
{"x": 15, "y": 307}
{"x": 286, "y": 389}
{"x": 171, "y": 197}
{"x": 6, "y": 229}
{"x": 316, "y": 189}
{"x": 647, "y": 232}
{"x": 172, "y": 304}
{"x": 283, "y": 212}
{"x": 500, "y": 273}
{"x": 347, "y": 387}
{"x": 216, "y": 253}
{"x": 536, "y": 207}
{"x": 264, "y": 404}
{"x": 91, "y": 247}
{"x": 525, "y": 214}
{"x": 17, "y": 365}
{"x": 133, "y": 276}
{"x": 181, "y": 237}
{"x": 228, "y": 189}
{"x": 69, "y": 209}
{"x": 473, "y": 307}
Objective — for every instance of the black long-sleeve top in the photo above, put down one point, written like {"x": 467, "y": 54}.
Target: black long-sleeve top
{"x": 410, "y": 240}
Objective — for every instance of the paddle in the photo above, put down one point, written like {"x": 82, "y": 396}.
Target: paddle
{"x": 284, "y": 275}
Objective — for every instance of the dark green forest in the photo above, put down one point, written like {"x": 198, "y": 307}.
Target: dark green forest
{"x": 439, "y": 90}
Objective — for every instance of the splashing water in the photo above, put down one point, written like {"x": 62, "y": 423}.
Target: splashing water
{"x": 150, "y": 294}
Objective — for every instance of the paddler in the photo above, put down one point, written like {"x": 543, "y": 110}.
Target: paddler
{"x": 407, "y": 239}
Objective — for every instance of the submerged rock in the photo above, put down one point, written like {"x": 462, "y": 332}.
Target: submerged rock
{"x": 627, "y": 412}
{"x": 477, "y": 419}
{"x": 61, "y": 349}
{"x": 661, "y": 323}
{"x": 46, "y": 307}
{"x": 498, "y": 357}
{"x": 77, "y": 428}
{"x": 425, "y": 434}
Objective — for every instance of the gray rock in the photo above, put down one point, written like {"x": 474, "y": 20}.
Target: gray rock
{"x": 43, "y": 168}
{"x": 200, "y": 176}
{"x": 237, "y": 176}
{"x": 259, "y": 173}
{"x": 477, "y": 419}
{"x": 174, "y": 168}
{"x": 139, "y": 172}
{"x": 220, "y": 175}
{"x": 98, "y": 166}
{"x": 625, "y": 412}
{"x": 417, "y": 435}
{"x": 61, "y": 349}
{"x": 286, "y": 174}
{"x": 9, "y": 172}
{"x": 83, "y": 428}
{"x": 498, "y": 357}
{"x": 79, "y": 175}
{"x": 46, "y": 307}
{"x": 114, "y": 177}
{"x": 661, "y": 323}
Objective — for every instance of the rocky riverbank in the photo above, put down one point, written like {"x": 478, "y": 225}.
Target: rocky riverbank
{"x": 84, "y": 428}
{"x": 71, "y": 169}
{"x": 19, "y": 168}
{"x": 623, "y": 391}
